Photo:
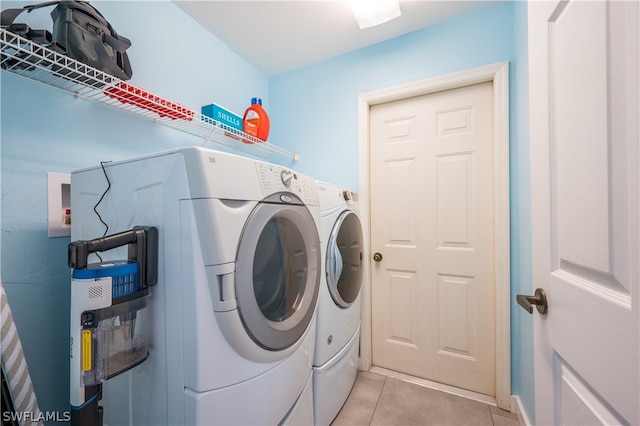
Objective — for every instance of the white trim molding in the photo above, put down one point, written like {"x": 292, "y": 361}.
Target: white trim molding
{"x": 518, "y": 409}
{"x": 498, "y": 74}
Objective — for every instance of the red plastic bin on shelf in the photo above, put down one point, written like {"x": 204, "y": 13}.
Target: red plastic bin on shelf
{"x": 129, "y": 94}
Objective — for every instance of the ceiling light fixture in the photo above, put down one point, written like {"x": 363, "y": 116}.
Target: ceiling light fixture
{"x": 370, "y": 13}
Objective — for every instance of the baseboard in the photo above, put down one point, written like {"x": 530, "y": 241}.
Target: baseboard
{"x": 516, "y": 407}
{"x": 434, "y": 385}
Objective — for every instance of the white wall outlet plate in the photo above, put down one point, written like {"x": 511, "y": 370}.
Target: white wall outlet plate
{"x": 59, "y": 201}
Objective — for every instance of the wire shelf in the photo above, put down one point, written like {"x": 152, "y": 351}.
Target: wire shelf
{"x": 24, "y": 58}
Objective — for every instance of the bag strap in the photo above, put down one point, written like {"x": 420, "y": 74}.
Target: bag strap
{"x": 117, "y": 42}
{"x": 111, "y": 64}
{"x": 9, "y": 15}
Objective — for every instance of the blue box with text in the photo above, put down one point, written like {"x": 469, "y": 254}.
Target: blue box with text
{"x": 223, "y": 116}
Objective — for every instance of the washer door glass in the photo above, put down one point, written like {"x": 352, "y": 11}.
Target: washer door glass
{"x": 277, "y": 277}
{"x": 344, "y": 259}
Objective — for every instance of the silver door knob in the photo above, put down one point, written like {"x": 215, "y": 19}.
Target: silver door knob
{"x": 377, "y": 257}
{"x": 539, "y": 300}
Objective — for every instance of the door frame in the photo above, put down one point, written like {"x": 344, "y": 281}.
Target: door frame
{"x": 497, "y": 73}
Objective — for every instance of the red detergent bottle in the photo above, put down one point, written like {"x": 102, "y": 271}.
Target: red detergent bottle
{"x": 256, "y": 121}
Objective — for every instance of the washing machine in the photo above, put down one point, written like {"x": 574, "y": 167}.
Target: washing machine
{"x": 335, "y": 363}
{"x": 233, "y": 315}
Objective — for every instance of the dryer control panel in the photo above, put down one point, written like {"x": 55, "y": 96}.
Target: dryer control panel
{"x": 274, "y": 178}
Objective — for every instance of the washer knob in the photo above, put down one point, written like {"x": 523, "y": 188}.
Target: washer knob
{"x": 286, "y": 176}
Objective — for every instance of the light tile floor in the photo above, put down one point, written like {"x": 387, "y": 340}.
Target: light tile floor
{"x": 380, "y": 400}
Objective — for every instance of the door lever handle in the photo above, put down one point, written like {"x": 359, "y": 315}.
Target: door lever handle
{"x": 539, "y": 299}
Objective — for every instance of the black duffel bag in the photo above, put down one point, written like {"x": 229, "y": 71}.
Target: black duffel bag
{"x": 82, "y": 33}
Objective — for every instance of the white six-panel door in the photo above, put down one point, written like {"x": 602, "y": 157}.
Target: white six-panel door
{"x": 433, "y": 294}
{"x": 586, "y": 222}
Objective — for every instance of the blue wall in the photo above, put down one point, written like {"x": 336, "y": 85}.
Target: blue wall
{"x": 521, "y": 272}
{"x": 318, "y": 103}
{"x": 313, "y": 111}
{"x": 45, "y": 130}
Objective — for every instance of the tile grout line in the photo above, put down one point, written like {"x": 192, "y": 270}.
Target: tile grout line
{"x": 373, "y": 413}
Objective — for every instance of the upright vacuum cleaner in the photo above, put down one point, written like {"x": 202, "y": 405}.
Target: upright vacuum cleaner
{"x": 109, "y": 301}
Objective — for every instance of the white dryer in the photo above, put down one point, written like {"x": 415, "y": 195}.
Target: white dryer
{"x": 335, "y": 362}
{"x": 232, "y": 317}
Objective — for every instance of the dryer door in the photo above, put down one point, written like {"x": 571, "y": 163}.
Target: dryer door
{"x": 344, "y": 259}
{"x": 277, "y": 274}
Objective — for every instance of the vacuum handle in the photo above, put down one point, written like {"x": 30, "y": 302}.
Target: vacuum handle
{"x": 143, "y": 247}
{"x": 79, "y": 251}
{"x": 149, "y": 253}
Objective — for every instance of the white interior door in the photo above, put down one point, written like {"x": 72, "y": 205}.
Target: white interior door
{"x": 433, "y": 296}
{"x": 585, "y": 191}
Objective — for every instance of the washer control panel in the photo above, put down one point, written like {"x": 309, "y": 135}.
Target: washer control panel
{"x": 274, "y": 178}
{"x": 287, "y": 177}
